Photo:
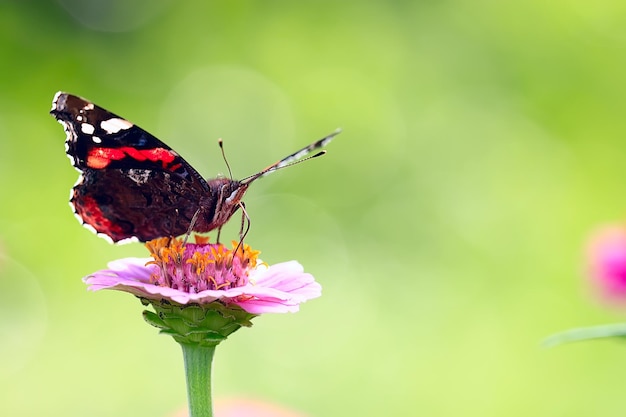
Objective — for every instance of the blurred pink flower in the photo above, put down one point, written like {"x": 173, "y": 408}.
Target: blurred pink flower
{"x": 242, "y": 407}
{"x": 248, "y": 408}
{"x": 202, "y": 273}
{"x": 606, "y": 255}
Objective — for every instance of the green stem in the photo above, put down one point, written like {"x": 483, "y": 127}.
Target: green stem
{"x": 198, "y": 361}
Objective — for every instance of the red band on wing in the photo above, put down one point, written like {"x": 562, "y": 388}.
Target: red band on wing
{"x": 99, "y": 158}
{"x": 89, "y": 211}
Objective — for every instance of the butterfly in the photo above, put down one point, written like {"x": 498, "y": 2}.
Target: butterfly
{"x": 133, "y": 187}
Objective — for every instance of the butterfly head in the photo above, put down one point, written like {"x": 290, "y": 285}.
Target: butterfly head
{"x": 228, "y": 194}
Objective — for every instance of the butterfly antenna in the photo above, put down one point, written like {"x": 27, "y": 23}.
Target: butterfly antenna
{"x": 295, "y": 158}
{"x": 221, "y": 145}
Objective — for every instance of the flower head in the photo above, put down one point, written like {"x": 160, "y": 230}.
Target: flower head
{"x": 202, "y": 292}
{"x": 606, "y": 256}
{"x": 202, "y": 273}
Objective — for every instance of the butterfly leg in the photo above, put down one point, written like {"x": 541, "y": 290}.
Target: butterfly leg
{"x": 245, "y": 225}
{"x": 192, "y": 223}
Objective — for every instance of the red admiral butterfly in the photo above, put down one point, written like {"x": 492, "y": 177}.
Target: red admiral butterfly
{"x": 134, "y": 187}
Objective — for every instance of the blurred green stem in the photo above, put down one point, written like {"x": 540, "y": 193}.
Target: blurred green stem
{"x": 198, "y": 360}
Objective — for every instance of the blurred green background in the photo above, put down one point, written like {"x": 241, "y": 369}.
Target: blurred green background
{"x": 482, "y": 142}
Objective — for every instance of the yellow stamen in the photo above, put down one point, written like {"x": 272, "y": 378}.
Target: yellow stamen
{"x": 199, "y": 261}
{"x": 246, "y": 254}
{"x": 214, "y": 264}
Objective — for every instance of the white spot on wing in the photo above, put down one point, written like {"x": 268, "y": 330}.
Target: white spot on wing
{"x": 66, "y": 128}
{"x": 55, "y": 99}
{"x": 72, "y": 160}
{"x": 96, "y": 139}
{"x": 71, "y": 157}
{"x": 120, "y": 242}
{"x": 78, "y": 182}
{"x": 87, "y": 128}
{"x": 115, "y": 124}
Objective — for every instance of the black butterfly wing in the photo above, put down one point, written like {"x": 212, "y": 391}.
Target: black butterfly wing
{"x": 132, "y": 185}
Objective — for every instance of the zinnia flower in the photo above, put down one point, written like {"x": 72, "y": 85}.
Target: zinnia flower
{"x": 203, "y": 292}
{"x": 201, "y": 273}
{"x": 607, "y": 262}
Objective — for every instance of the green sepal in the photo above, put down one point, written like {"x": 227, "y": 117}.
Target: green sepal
{"x": 204, "y": 325}
{"x": 153, "y": 319}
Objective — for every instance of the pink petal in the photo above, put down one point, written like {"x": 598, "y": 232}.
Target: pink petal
{"x": 289, "y": 277}
{"x": 277, "y": 289}
{"x": 266, "y": 306}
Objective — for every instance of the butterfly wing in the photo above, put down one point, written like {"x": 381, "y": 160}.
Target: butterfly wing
{"x": 132, "y": 186}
